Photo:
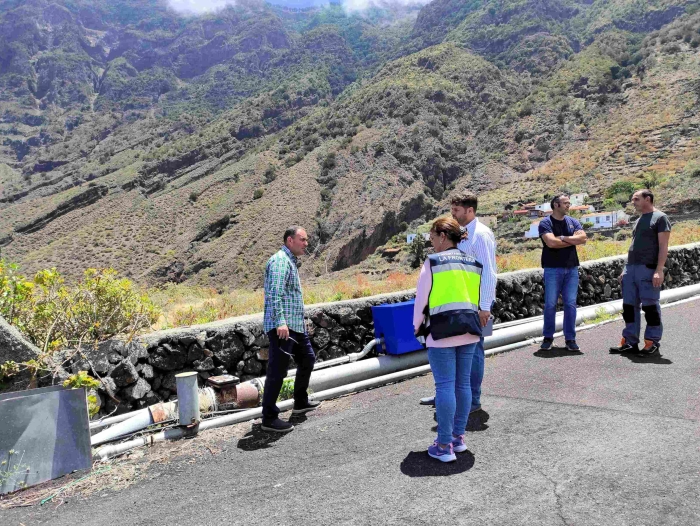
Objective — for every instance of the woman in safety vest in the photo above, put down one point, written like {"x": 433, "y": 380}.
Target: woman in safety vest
{"x": 447, "y": 312}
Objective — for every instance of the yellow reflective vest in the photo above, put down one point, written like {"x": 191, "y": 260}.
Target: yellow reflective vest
{"x": 453, "y": 304}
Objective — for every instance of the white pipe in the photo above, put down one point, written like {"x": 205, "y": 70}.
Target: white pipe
{"x": 350, "y": 358}
{"x": 139, "y": 420}
{"x": 108, "y": 421}
{"x": 236, "y": 418}
{"x": 531, "y": 329}
{"x": 503, "y": 340}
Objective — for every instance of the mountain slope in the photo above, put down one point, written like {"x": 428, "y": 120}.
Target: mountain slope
{"x": 178, "y": 149}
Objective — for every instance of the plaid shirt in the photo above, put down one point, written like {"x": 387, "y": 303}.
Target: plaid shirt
{"x": 284, "y": 304}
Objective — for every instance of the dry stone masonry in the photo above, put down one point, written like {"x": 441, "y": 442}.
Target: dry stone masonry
{"x": 142, "y": 372}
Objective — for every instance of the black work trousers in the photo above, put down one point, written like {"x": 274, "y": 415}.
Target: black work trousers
{"x": 299, "y": 346}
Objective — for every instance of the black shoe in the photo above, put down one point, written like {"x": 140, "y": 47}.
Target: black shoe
{"x": 650, "y": 348}
{"x": 308, "y": 406}
{"x": 428, "y": 400}
{"x": 546, "y": 344}
{"x": 624, "y": 347}
{"x": 572, "y": 346}
{"x": 277, "y": 426}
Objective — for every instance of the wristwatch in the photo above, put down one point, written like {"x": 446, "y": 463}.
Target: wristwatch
{"x": 561, "y": 238}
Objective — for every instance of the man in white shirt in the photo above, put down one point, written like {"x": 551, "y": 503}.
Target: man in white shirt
{"x": 481, "y": 244}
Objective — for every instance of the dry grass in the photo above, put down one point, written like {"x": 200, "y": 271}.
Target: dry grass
{"x": 187, "y": 305}
{"x": 683, "y": 233}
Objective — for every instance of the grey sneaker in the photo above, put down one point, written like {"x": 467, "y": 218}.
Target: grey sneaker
{"x": 428, "y": 400}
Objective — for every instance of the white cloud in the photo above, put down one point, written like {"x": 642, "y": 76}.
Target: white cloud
{"x": 361, "y": 5}
{"x": 198, "y": 7}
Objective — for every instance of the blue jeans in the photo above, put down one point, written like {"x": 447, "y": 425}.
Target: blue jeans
{"x": 638, "y": 289}
{"x": 477, "y": 374}
{"x": 451, "y": 368}
{"x": 562, "y": 281}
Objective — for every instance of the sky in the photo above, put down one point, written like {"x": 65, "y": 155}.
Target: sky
{"x": 205, "y": 6}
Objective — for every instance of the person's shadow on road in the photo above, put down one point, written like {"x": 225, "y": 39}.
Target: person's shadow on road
{"x": 419, "y": 464}
{"x": 256, "y": 439}
{"x": 476, "y": 422}
{"x": 641, "y": 358}
{"x": 556, "y": 352}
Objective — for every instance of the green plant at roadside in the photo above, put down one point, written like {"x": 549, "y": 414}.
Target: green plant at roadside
{"x": 15, "y": 291}
{"x": 10, "y": 467}
{"x": 98, "y": 307}
{"x": 601, "y": 315}
{"x": 83, "y": 379}
{"x": 54, "y": 315}
{"x": 287, "y": 390}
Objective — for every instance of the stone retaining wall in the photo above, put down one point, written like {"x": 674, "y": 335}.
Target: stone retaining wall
{"x": 142, "y": 372}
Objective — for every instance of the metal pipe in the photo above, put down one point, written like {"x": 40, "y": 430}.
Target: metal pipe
{"x": 503, "y": 340}
{"x": 212, "y": 423}
{"x": 349, "y": 358}
{"x": 108, "y": 421}
{"x": 531, "y": 329}
{"x": 171, "y": 434}
{"x": 140, "y": 420}
{"x": 188, "y": 398}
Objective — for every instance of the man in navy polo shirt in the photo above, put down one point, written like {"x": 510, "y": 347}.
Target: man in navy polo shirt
{"x": 560, "y": 235}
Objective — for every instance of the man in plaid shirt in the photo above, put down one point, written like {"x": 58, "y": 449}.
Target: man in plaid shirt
{"x": 284, "y": 325}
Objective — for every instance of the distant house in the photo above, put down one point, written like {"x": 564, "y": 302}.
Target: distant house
{"x": 577, "y": 199}
{"x": 410, "y": 238}
{"x": 426, "y": 236}
{"x": 521, "y": 212}
{"x": 533, "y": 233}
{"x": 605, "y": 219}
{"x": 529, "y": 206}
{"x": 582, "y": 208}
{"x": 544, "y": 207}
{"x": 489, "y": 221}
{"x": 539, "y": 213}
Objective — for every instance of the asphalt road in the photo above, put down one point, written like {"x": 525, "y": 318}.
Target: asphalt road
{"x": 582, "y": 439}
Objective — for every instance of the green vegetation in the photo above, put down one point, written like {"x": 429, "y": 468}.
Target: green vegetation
{"x": 178, "y": 122}
{"x": 54, "y": 315}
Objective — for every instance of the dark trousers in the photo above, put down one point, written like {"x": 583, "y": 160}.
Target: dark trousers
{"x": 299, "y": 346}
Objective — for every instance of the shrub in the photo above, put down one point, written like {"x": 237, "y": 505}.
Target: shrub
{"x": 651, "y": 180}
{"x": 329, "y": 161}
{"x": 620, "y": 187}
{"x": 692, "y": 169}
{"x": 53, "y": 315}
{"x": 587, "y": 225}
{"x": 417, "y": 251}
{"x": 270, "y": 174}
{"x": 258, "y": 193}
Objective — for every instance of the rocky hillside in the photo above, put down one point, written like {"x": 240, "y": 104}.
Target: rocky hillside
{"x": 178, "y": 148}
